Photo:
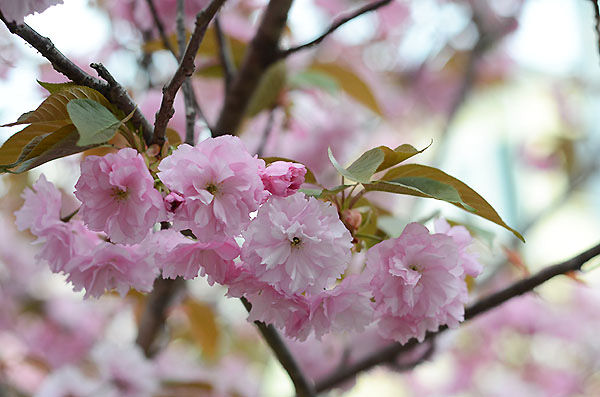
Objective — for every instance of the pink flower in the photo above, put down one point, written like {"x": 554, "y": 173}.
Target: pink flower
{"x": 17, "y": 10}
{"x": 118, "y": 196}
{"x": 283, "y": 178}
{"x": 112, "y": 266}
{"x": 417, "y": 283}
{"x": 221, "y": 185}
{"x": 180, "y": 256}
{"x": 345, "y": 308}
{"x": 41, "y": 209}
{"x": 173, "y": 201}
{"x": 297, "y": 244}
{"x": 462, "y": 238}
{"x": 65, "y": 241}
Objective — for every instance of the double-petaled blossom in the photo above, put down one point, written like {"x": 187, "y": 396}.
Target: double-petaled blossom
{"x": 16, "y": 10}
{"x": 118, "y": 196}
{"x": 282, "y": 178}
{"x": 41, "y": 209}
{"x": 112, "y": 266}
{"x": 417, "y": 283}
{"x": 463, "y": 239}
{"x": 297, "y": 244}
{"x": 221, "y": 185}
{"x": 178, "y": 255}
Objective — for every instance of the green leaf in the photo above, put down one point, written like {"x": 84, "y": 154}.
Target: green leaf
{"x": 266, "y": 94}
{"x": 431, "y": 188}
{"x": 94, "y": 122}
{"x": 350, "y": 83}
{"x": 14, "y": 146}
{"x": 398, "y": 155}
{"x": 60, "y": 143}
{"x": 311, "y": 79}
{"x": 54, "y": 108}
{"x": 53, "y": 88}
{"x": 363, "y": 168}
{"x": 474, "y": 202}
{"x": 308, "y": 178}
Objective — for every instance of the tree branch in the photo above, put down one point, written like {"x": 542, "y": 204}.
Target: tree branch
{"x": 112, "y": 90}
{"x": 224, "y": 54}
{"x": 262, "y": 52}
{"x": 161, "y": 28}
{"x": 155, "y": 312}
{"x": 185, "y": 69}
{"x": 304, "y": 387}
{"x": 597, "y": 15}
{"x": 335, "y": 25}
{"x": 390, "y": 352}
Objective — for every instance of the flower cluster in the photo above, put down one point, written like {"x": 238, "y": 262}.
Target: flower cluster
{"x": 227, "y": 216}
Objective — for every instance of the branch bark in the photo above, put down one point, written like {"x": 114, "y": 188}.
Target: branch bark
{"x": 597, "y": 16}
{"x": 390, "y": 353}
{"x": 185, "y": 69}
{"x": 153, "y": 319}
{"x": 335, "y": 25}
{"x": 262, "y": 52}
{"x": 304, "y": 387}
{"x": 111, "y": 89}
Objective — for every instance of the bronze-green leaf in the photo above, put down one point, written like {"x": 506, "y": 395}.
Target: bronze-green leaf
{"x": 54, "y": 108}
{"x": 13, "y": 147}
{"x": 363, "y": 168}
{"x": 266, "y": 94}
{"x": 398, "y": 155}
{"x": 94, "y": 122}
{"x": 468, "y": 196}
{"x": 60, "y": 143}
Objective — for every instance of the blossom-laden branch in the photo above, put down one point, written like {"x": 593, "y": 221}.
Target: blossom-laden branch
{"x": 303, "y": 386}
{"x": 389, "y": 353}
{"x": 111, "y": 89}
{"x": 335, "y": 25}
{"x": 262, "y": 52}
{"x": 185, "y": 69}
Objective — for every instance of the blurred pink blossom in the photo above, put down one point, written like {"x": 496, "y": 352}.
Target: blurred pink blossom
{"x": 16, "y": 10}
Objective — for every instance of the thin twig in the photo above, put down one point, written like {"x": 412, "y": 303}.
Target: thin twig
{"x": 266, "y": 133}
{"x": 335, "y": 25}
{"x": 189, "y": 97}
{"x": 155, "y": 312}
{"x": 390, "y": 352}
{"x": 597, "y": 15}
{"x": 262, "y": 52}
{"x": 112, "y": 90}
{"x": 304, "y": 387}
{"x": 185, "y": 69}
{"x": 225, "y": 55}
{"x": 160, "y": 27}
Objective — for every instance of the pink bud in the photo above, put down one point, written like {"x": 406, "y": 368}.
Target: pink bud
{"x": 283, "y": 178}
{"x": 173, "y": 201}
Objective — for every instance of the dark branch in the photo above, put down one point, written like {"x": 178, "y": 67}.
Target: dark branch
{"x": 155, "y": 312}
{"x": 160, "y": 27}
{"x": 224, "y": 54}
{"x": 304, "y": 387}
{"x": 262, "y": 52}
{"x": 185, "y": 69}
{"x": 597, "y": 15}
{"x": 266, "y": 133}
{"x": 119, "y": 96}
{"x": 336, "y": 24}
{"x": 389, "y": 353}
{"x": 114, "y": 92}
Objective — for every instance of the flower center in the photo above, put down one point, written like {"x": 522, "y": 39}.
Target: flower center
{"x": 414, "y": 268}
{"x": 295, "y": 242}
{"x": 212, "y": 188}
{"x": 120, "y": 195}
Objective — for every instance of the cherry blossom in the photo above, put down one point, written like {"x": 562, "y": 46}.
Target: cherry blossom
{"x": 282, "y": 178}
{"x": 17, "y": 10}
{"x": 118, "y": 196}
{"x": 297, "y": 244}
